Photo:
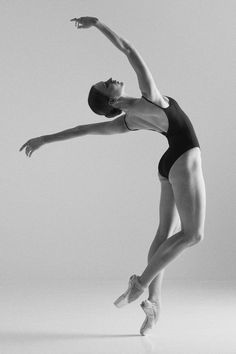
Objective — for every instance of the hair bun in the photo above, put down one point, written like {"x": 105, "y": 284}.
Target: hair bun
{"x": 113, "y": 113}
{"x": 99, "y": 104}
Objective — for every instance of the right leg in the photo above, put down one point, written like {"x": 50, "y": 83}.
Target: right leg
{"x": 169, "y": 221}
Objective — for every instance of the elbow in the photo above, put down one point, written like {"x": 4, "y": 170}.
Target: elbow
{"x": 126, "y": 46}
{"x": 80, "y": 130}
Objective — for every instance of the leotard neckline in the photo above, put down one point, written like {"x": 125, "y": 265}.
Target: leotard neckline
{"x": 157, "y": 104}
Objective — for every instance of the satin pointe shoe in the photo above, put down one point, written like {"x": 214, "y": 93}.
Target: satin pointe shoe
{"x": 152, "y": 311}
{"x": 134, "y": 290}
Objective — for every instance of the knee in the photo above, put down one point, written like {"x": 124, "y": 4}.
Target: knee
{"x": 194, "y": 237}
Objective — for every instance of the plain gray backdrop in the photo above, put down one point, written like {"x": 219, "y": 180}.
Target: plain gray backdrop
{"x": 89, "y": 207}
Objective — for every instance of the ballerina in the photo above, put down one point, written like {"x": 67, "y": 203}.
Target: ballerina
{"x": 183, "y": 194}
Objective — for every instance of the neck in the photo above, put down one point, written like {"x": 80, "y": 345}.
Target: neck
{"x": 126, "y": 102}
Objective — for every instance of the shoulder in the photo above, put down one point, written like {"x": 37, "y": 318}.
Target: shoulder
{"x": 166, "y": 99}
{"x": 119, "y": 124}
{"x": 157, "y": 98}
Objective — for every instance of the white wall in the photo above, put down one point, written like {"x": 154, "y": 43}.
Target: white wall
{"x": 88, "y": 207}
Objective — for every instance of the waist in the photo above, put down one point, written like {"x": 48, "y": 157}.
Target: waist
{"x": 183, "y": 140}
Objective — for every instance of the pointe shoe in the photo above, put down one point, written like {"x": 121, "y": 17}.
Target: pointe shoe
{"x": 152, "y": 311}
{"x": 135, "y": 289}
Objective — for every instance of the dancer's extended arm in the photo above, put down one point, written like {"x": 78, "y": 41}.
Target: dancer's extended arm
{"x": 115, "y": 126}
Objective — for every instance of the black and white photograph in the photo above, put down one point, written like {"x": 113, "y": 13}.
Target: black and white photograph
{"x": 118, "y": 177}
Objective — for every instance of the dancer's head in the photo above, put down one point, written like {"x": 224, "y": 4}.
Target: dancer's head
{"x": 103, "y": 98}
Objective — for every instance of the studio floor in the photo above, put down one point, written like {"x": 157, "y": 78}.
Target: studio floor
{"x": 70, "y": 317}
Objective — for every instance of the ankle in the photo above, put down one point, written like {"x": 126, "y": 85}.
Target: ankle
{"x": 156, "y": 301}
{"x": 141, "y": 282}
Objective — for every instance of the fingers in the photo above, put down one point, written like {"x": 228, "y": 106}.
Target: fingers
{"x": 22, "y": 147}
{"x": 29, "y": 150}
{"x": 78, "y": 24}
{"x": 75, "y": 20}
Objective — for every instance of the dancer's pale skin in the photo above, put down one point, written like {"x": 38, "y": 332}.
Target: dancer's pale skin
{"x": 183, "y": 196}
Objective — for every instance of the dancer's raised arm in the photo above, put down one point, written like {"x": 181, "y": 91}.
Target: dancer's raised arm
{"x": 146, "y": 81}
{"x": 87, "y": 22}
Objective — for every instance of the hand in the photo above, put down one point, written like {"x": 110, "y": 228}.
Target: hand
{"x": 85, "y": 22}
{"x": 32, "y": 144}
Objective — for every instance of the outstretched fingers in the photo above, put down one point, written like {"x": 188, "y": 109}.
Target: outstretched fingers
{"x": 24, "y": 145}
{"x": 77, "y": 22}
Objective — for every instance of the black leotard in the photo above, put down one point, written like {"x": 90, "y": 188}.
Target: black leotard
{"x": 180, "y": 135}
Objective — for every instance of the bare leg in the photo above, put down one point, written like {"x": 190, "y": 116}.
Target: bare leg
{"x": 168, "y": 251}
{"x": 155, "y": 287}
{"x": 168, "y": 225}
{"x": 153, "y": 312}
{"x": 156, "y": 284}
{"x": 186, "y": 189}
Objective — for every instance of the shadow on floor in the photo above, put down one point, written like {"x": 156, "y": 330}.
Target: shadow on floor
{"x": 41, "y": 335}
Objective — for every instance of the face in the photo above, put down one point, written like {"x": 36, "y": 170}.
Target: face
{"x": 111, "y": 88}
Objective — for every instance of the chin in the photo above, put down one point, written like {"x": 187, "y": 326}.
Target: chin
{"x": 122, "y": 89}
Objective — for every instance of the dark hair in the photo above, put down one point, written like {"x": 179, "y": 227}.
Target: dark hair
{"x": 99, "y": 104}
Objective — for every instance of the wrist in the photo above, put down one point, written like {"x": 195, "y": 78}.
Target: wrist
{"x": 97, "y": 23}
{"x": 45, "y": 139}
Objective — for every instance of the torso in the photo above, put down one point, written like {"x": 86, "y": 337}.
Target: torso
{"x": 145, "y": 115}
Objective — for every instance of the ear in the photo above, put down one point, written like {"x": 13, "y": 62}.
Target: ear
{"x": 113, "y": 102}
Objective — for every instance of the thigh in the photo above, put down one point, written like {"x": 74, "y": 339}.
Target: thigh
{"x": 168, "y": 214}
{"x": 190, "y": 198}
{"x": 169, "y": 220}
